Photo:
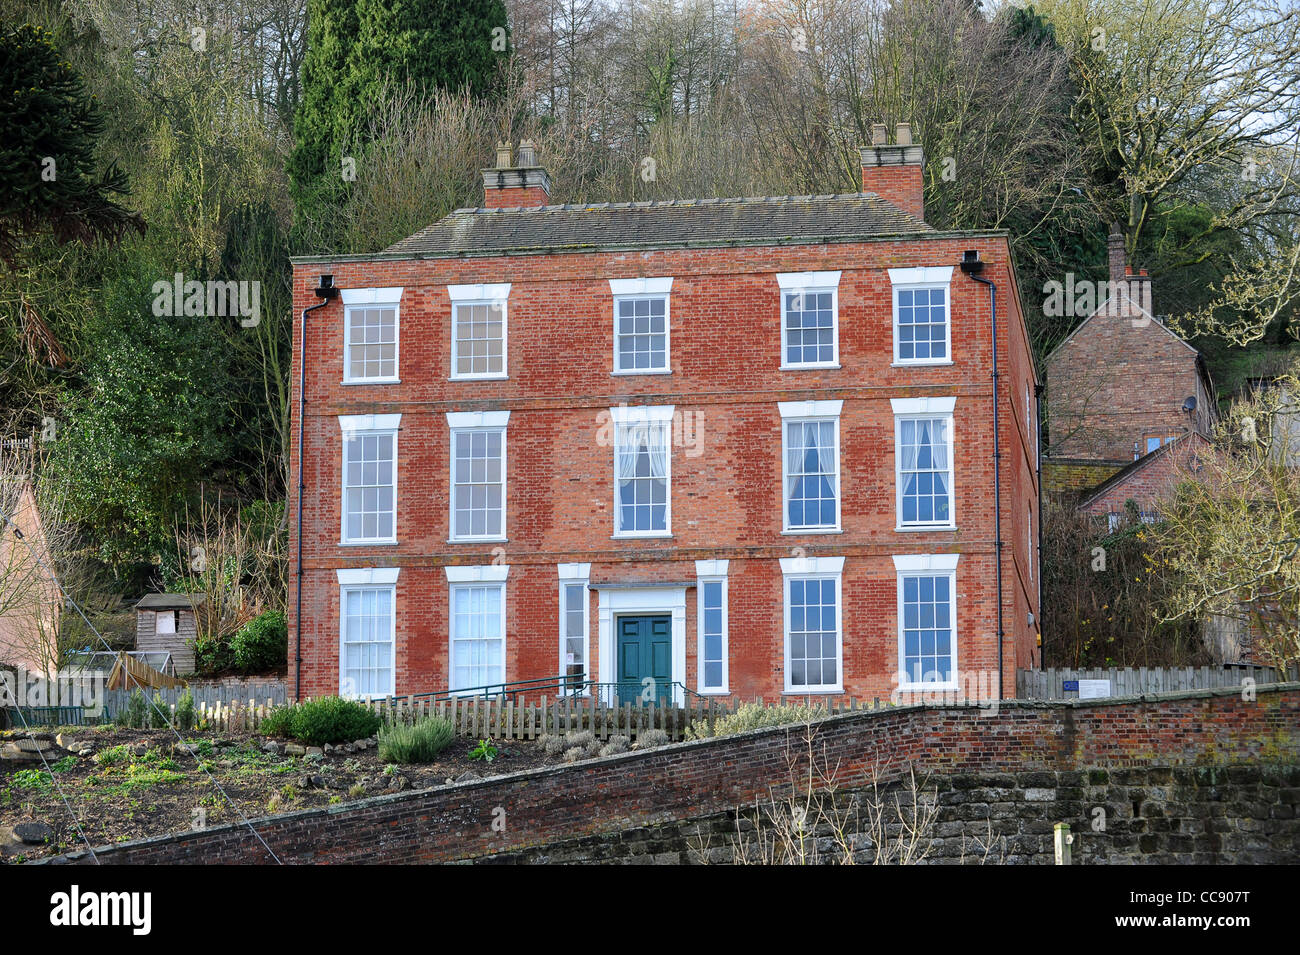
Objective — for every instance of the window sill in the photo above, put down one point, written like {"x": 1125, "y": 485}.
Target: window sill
{"x": 478, "y": 540}
{"x": 920, "y": 364}
{"x": 478, "y": 377}
{"x": 641, "y": 371}
{"x": 813, "y": 691}
{"x": 386, "y": 542}
{"x": 801, "y": 532}
{"x": 371, "y": 381}
{"x": 915, "y": 528}
{"x": 654, "y": 535}
{"x": 920, "y": 688}
{"x": 722, "y": 692}
{"x": 820, "y": 366}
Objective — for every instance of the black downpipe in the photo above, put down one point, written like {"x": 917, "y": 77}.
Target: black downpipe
{"x": 326, "y": 292}
{"x": 972, "y": 266}
{"x": 1038, "y": 459}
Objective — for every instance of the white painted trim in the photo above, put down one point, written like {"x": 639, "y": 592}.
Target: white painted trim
{"x": 477, "y": 419}
{"x": 922, "y": 563}
{"x": 456, "y": 305}
{"x": 369, "y": 422}
{"x": 641, "y": 414}
{"x": 371, "y": 296}
{"x": 786, "y": 421}
{"x": 644, "y": 286}
{"x": 938, "y": 405}
{"x": 477, "y": 293}
{"x": 365, "y": 576}
{"x": 811, "y": 566}
{"x": 575, "y": 575}
{"x": 495, "y": 416}
{"x": 832, "y": 286}
{"x": 395, "y": 377}
{"x": 810, "y": 409}
{"x": 375, "y": 578}
{"x": 353, "y": 426}
{"x": 928, "y": 571}
{"x": 899, "y": 418}
{"x": 708, "y": 572}
{"x": 574, "y": 572}
{"x": 637, "y": 602}
{"x": 807, "y": 280}
{"x": 808, "y": 568}
{"x": 924, "y": 275}
{"x": 451, "y": 623}
{"x": 657, "y": 289}
{"x": 477, "y": 574}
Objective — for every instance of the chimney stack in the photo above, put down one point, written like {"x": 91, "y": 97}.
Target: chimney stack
{"x": 893, "y": 172}
{"x": 1130, "y": 293}
{"x": 1115, "y": 253}
{"x": 518, "y": 184}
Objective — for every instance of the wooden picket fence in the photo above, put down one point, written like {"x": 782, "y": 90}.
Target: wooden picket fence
{"x": 1049, "y": 684}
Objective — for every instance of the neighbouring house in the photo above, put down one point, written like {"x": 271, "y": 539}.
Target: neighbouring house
{"x": 30, "y": 601}
{"x": 1146, "y": 481}
{"x": 715, "y": 446}
{"x": 164, "y": 623}
{"x": 1121, "y": 386}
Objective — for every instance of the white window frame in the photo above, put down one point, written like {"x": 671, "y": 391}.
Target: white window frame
{"x": 801, "y": 282}
{"x": 482, "y": 294}
{"x": 798, "y": 412}
{"x": 358, "y": 425}
{"x": 660, "y": 416}
{"x": 460, "y": 577}
{"x": 712, "y": 572}
{"x": 372, "y": 298}
{"x": 575, "y": 575}
{"x": 912, "y": 408}
{"x": 814, "y": 568}
{"x": 458, "y": 421}
{"x": 930, "y": 277}
{"x": 367, "y": 578}
{"x": 927, "y": 565}
{"x": 622, "y": 289}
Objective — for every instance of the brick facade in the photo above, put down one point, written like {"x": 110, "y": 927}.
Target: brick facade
{"x": 1147, "y": 480}
{"x": 726, "y": 461}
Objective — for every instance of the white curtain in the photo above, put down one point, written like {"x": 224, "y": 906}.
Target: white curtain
{"x": 826, "y": 450}
{"x": 630, "y": 438}
{"x": 656, "y": 438}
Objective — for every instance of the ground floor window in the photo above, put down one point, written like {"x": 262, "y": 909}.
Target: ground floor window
{"x": 711, "y": 652}
{"x": 813, "y": 625}
{"x": 573, "y": 623}
{"x": 927, "y": 619}
{"x": 477, "y": 618}
{"x": 367, "y": 632}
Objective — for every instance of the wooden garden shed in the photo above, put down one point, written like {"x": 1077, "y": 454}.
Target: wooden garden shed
{"x": 165, "y": 622}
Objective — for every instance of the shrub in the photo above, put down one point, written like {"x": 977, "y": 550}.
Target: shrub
{"x": 650, "y": 739}
{"x": 753, "y": 716}
{"x": 332, "y": 719}
{"x": 212, "y": 654}
{"x": 262, "y": 644}
{"x": 278, "y": 722}
{"x": 136, "y": 713}
{"x": 159, "y": 713}
{"x": 616, "y": 744}
{"x": 111, "y": 756}
{"x": 554, "y": 745}
{"x": 185, "y": 713}
{"x": 419, "y": 742}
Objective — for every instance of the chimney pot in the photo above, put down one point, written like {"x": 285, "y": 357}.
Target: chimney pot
{"x": 903, "y": 134}
{"x": 503, "y": 155}
{"x": 894, "y": 172}
{"x": 527, "y": 155}
{"x": 879, "y": 134}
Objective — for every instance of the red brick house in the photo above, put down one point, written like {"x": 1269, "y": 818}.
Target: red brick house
{"x": 1121, "y": 385}
{"x": 733, "y": 446}
{"x": 1145, "y": 481}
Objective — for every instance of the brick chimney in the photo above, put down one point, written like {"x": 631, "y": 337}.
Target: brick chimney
{"x": 893, "y": 172}
{"x": 521, "y": 184}
{"x": 1131, "y": 293}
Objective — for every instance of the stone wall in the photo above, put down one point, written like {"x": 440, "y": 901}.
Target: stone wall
{"x": 1211, "y": 774}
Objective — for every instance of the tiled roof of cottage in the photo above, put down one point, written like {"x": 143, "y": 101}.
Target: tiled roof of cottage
{"x": 666, "y": 223}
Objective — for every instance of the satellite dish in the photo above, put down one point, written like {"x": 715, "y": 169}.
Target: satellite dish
{"x": 1189, "y": 404}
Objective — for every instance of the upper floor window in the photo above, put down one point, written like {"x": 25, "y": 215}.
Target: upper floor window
{"x": 478, "y": 330}
{"x": 369, "y": 478}
{"x": 811, "y": 465}
{"x": 641, "y": 323}
{"x": 923, "y": 460}
{"x": 922, "y": 316}
{"x": 370, "y": 322}
{"x": 367, "y": 631}
{"x": 478, "y": 474}
{"x": 809, "y": 319}
{"x": 927, "y": 619}
{"x": 642, "y": 471}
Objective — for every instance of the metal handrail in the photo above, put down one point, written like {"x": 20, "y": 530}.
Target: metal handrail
{"x": 565, "y": 686}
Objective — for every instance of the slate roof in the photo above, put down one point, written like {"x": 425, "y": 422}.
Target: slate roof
{"x": 169, "y": 601}
{"x": 665, "y": 223}
{"x": 1121, "y": 476}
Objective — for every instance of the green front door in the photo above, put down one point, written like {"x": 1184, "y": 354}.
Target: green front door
{"x": 645, "y": 654}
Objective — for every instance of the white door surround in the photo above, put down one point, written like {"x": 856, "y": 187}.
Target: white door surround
{"x": 640, "y": 601}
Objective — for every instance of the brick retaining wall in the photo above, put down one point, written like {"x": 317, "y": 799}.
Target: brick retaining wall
{"x": 617, "y": 794}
